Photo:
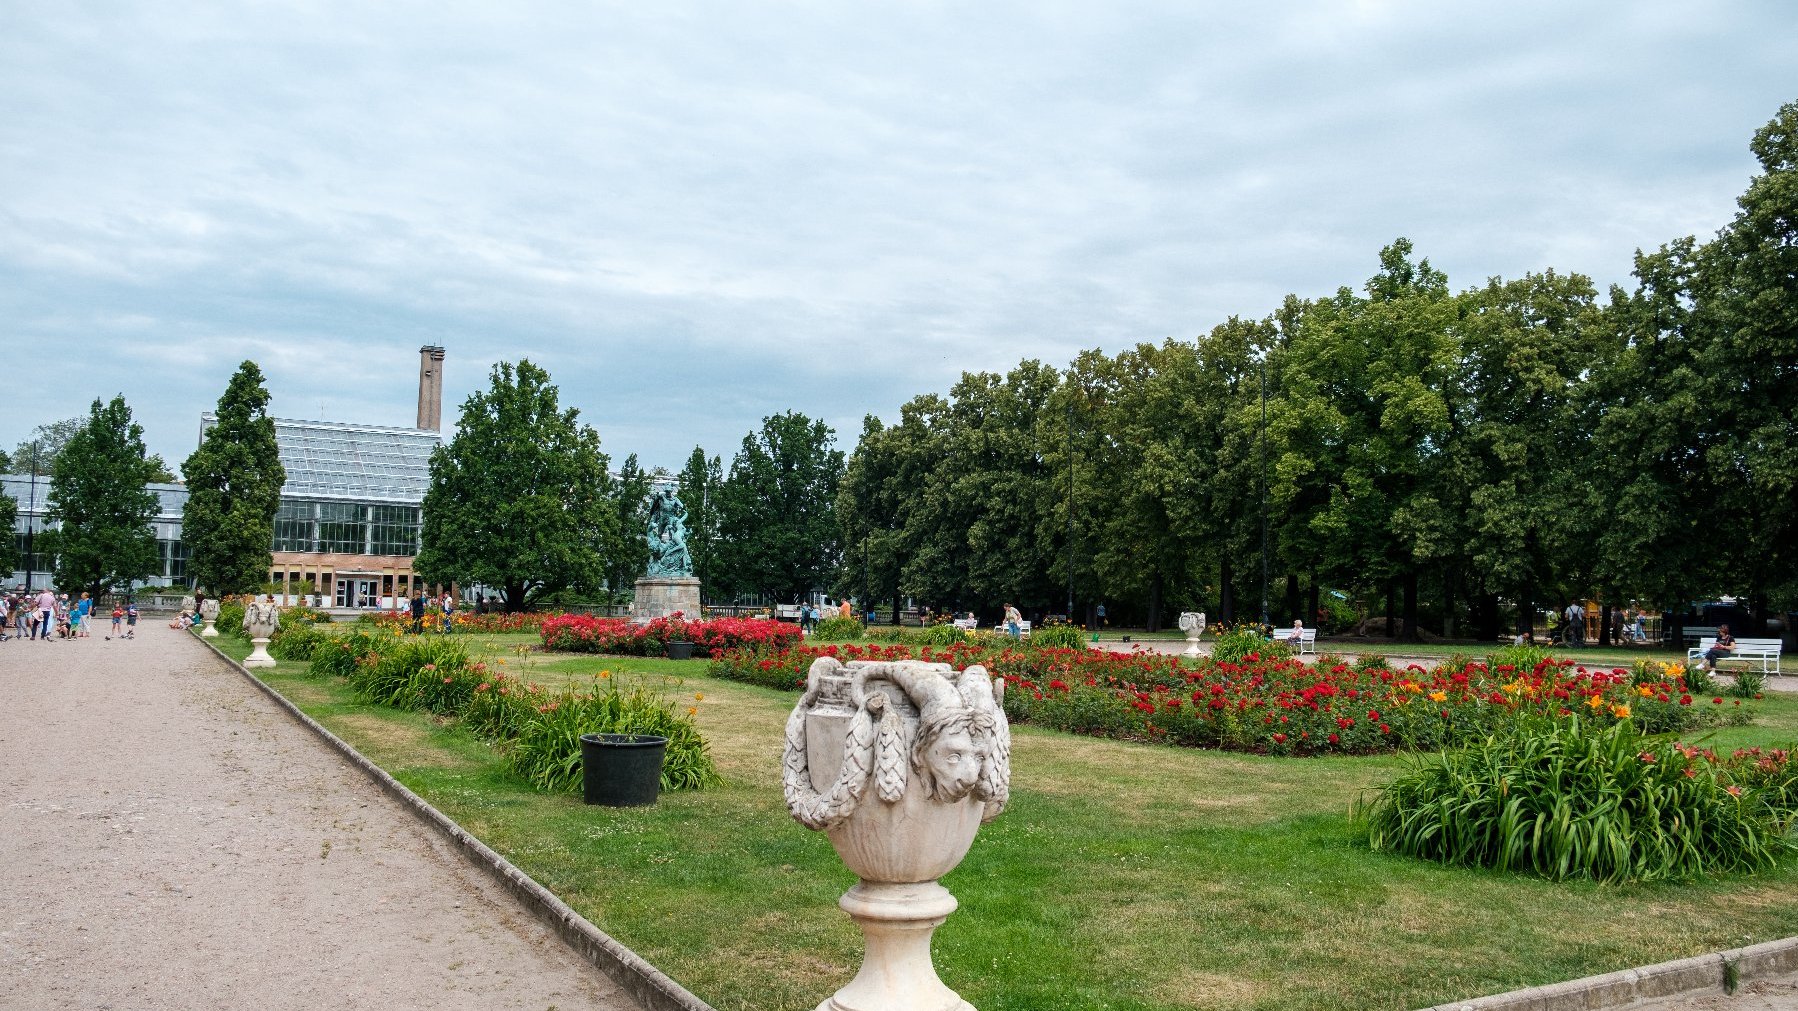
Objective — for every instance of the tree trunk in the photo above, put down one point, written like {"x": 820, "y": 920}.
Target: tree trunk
{"x": 1226, "y": 595}
{"x": 1391, "y": 616}
{"x": 1312, "y": 615}
{"x": 1154, "y": 623}
{"x": 1604, "y": 624}
{"x": 1486, "y": 616}
{"x": 1448, "y": 602}
{"x": 1526, "y": 613}
{"x": 1411, "y": 632}
{"x": 515, "y": 593}
{"x": 1292, "y": 598}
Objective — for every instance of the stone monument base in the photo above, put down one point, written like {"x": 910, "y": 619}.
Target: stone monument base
{"x": 661, "y": 596}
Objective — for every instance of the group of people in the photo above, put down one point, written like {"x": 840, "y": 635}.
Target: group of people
{"x": 47, "y": 614}
{"x": 444, "y": 606}
{"x": 1628, "y": 622}
{"x": 810, "y": 615}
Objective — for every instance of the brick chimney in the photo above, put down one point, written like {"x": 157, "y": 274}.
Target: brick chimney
{"x": 430, "y": 388}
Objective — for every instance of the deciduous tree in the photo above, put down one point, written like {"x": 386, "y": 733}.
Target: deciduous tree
{"x": 234, "y": 484}
{"x": 104, "y": 538}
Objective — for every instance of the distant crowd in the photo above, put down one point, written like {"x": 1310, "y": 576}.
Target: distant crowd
{"x": 48, "y": 615}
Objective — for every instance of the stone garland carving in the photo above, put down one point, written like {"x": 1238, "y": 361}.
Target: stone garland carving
{"x": 899, "y": 762}
{"x": 261, "y": 618}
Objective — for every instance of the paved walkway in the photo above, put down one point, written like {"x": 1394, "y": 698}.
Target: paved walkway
{"x": 170, "y": 839}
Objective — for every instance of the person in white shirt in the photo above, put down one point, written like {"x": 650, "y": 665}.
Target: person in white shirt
{"x": 46, "y": 610}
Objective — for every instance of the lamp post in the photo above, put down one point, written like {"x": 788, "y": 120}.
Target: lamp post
{"x": 31, "y": 520}
{"x": 1264, "y": 622}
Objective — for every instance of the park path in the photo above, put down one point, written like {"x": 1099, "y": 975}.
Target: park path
{"x": 171, "y": 839}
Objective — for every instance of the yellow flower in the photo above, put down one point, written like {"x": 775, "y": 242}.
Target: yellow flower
{"x": 1596, "y": 702}
{"x": 699, "y": 696}
{"x": 605, "y": 673}
{"x": 692, "y": 711}
{"x": 1438, "y": 696}
{"x": 1645, "y": 691}
{"x": 1620, "y": 711}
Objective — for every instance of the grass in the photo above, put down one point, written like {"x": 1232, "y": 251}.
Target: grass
{"x": 1128, "y": 877}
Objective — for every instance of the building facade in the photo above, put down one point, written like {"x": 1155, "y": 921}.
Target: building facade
{"x": 34, "y": 568}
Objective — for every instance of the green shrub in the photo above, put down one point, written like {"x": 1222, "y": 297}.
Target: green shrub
{"x": 1570, "y": 798}
{"x": 1523, "y": 658}
{"x": 230, "y": 619}
{"x": 840, "y": 629}
{"x": 304, "y": 614}
{"x": 1236, "y": 643}
{"x": 416, "y": 673}
{"x": 1748, "y": 684}
{"x": 340, "y": 656}
{"x": 945, "y": 634}
{"x": 1371, "y": 661}
{"x": 1058, "y": 636}
{"x": 547, "y": 751}
{"x": 296, "y": 640}
{"x": 1698, "y": 680}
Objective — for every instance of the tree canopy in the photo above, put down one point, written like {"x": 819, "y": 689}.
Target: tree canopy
{"x": 777, "y": 526}
{"x": 518, "y": 499}
{"x": 234, "y": 484}
{"x": 104, "y": 538}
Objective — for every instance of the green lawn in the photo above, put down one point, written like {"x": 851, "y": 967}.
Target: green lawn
{"x": 1123, "y": 876}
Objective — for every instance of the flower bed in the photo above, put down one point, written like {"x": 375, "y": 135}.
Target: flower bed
{"x": 583, "y": 633}
{"x": 1278, "y": 706}
{"x": 465, "y": 621}
{"x": 539, "y": 731}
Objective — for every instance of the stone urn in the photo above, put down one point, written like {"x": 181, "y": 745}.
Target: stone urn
{"x": 1193, "y": 624}
{"x": 260, "y": 619}
{"x": 898, "y": 763}
{"x": 209, "y": 610}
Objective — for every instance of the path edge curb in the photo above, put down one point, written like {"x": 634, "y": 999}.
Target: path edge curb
{"x": 1698, "y": 976}
{"x": 649, "y": 986}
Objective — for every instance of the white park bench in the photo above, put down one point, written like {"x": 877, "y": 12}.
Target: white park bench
{"x": 1307, "y": 639}
{"x": 786, "y": 612}
{"x": 967, "y": 624}
{"x": 1757, "y": 654}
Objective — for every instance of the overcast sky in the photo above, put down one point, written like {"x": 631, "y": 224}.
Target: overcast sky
{"x": 695, "y": 216}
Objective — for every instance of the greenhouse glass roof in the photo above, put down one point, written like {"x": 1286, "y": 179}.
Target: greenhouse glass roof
{"x": 356, "y": 463}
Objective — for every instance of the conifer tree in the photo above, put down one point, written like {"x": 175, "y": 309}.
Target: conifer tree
{"x": 99, "y": 499}
{"x": 234, "y": 489}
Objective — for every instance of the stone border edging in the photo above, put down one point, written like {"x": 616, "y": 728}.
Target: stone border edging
{"x": 649, "y": 986}
{"x": 1701, "y": 975}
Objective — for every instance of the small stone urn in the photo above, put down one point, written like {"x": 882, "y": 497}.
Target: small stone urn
{"x": 1193, "y": 624}
{"x": 260, "y": 619}
{"x": 209, "y": 610}
{"x": 899, "y": 763}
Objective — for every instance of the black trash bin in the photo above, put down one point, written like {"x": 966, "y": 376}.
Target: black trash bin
{"x": 621, "y": 770}
{"x": 679, "y": 649}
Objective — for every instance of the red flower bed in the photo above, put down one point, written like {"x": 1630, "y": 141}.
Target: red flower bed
{"x": 583, "y": 633}
{"x": 1272, "y": 706}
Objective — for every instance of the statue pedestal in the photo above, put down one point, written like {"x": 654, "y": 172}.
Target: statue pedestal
{"x": 259, "y": 656}
{"x": 661, "y": 596}
{"x": 1193, "y": 624}
{"x": 209, "y": 632}
{"x": 896, "y": 974}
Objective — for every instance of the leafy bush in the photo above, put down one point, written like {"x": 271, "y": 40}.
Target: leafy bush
{"x": 944, "y": 634}
{"x": 1748, "y": 684}
{"x": 296, "y": 640}
{"x": 340, "y": 656}
{"x": 230, "y": 619}
{"x": 1567, "y": 798}
{"x": 1371, "y": 662}
{"x": 840, "y": 629}
{"x": 1518, "y": 657}
{"x": 547, "y": 751}
{"x": 301, "y": 614}
{"x": 1058, "y": 636}
{"x": 1236, "y": 643}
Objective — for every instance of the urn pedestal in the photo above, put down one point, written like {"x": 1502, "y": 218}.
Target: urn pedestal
{"x": 259, "y": 655}
{"x": 914, "y": 768}
{"x": 1193, "y": 624}
{"x": 209, "y": 610}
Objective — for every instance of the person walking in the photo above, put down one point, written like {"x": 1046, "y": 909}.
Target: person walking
{"x": 449, "y": 611}
{"x": 46, "y": 612}
{"x": 6, "y": 609}
{"x": 84, "y": 612}
{"x": 1576, "y": 621}
{"x": 418, "y": 610}
{"x": 1014, "y": 622}
{"x": 118, "y": 622}
{"x": 130, "y": 620}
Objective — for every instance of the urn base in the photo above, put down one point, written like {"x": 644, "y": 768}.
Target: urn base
{"x": 209, "y": 632}
{"x": 259, "y": 656}
{"x": 896, "y": 975}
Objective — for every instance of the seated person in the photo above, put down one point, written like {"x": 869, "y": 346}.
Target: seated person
{"x": 1295, "y": 634}
{"x": 1725, "y": 645}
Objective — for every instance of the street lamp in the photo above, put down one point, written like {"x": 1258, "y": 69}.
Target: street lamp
{"x": 1264, "y": 622}
{"x": 31, "y": 519}
{"x": 1070, "y": 511}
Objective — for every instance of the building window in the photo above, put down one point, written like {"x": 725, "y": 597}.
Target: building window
{"x": 342, "y": 528}
{"x": 393, "y": 530}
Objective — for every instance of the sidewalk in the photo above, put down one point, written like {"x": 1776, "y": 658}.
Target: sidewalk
{"x": 172, "y": 840}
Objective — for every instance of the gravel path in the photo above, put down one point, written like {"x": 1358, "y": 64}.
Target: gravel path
{"x": 170, "y": 839}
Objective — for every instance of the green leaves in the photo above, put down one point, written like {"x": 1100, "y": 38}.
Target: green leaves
{"x": 776, "y": 520}
{"x": 99, "y": 498}
{"x": 234, "y": 484}
{"x": 520, "y": 499}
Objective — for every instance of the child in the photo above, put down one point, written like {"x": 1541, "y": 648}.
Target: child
{"x": 131, "y": 621}
{"x": 118, "y": 616}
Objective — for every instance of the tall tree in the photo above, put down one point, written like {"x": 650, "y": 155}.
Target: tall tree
{"x": 234, "y": 484}
{"x": 37, "y": 452}
{"x": 627, "y": 553}
{"x": 777, "y": 522}
{"x": 517, "y": 500}
{"x": 699, "y": 484}
{"x": 98, "y": 498}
